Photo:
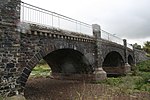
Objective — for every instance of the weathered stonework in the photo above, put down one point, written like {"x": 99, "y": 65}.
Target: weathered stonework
{"x": 140, "y": 55}
{"x": 100, "y": 74}
{"x": 41, "y": 43}
{"x": 9, "y": 47}
{"x": 69, "y": 54}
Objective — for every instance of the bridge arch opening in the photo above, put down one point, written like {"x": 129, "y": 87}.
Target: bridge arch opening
{"x": 61, "y": 62}
{"x": 68, "y": 61}
{"x": 113, "y": 64}
{"x": 130, "y": 60}
{"x": 113, "y": 59}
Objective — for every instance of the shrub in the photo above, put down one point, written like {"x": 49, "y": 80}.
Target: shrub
{"x": 144, "y": 66}
{"x": 113, "y": 81}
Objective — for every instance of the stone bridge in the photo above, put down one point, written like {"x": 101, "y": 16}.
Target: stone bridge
{"x": 70, "y": 55}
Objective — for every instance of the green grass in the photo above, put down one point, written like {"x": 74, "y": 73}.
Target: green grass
{"x": 144, "y": 66}
{"x": 41, "y": 70}
{"x": 125, "y": 84}
{"x": 144, "y": 84}
{"x": 131, "y": 83}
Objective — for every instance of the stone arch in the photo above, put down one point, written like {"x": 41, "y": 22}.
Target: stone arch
{"x": 68, "y": 61}
{"x": 108, "y": 49}
{"x": 130, "y": 60}
{"x": 62, "y": 56}
{"x": 113, "y": 59}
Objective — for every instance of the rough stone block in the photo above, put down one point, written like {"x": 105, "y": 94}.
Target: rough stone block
{"x": 99, "y": 74}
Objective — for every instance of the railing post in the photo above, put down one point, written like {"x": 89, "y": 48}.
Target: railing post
{"x": 127, "y": 66}
{"x": 99, "y": 73}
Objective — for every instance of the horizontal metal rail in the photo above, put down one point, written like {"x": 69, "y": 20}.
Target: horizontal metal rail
{"x": 110, "y": 37}
{"x": 37, "y": 15}
{"x": 129, "y": 46}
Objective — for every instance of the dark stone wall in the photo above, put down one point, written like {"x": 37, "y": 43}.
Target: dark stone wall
{"x": 9, "y": 46}
{"x": 140, "y": 55}
{"x": 108, "y": 47}
{"x": 9, "y": 55}
{"x": 131, "y": 57}
{"x": 10, "y": 11}
{"x": 39, "y": 41}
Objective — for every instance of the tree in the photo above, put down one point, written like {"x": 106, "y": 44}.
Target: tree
{"x": 137, "y": 46}
{"x": 146, "y": 47}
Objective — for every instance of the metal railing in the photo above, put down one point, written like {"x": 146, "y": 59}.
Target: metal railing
{"x": 36, "y": 15}
{"x": 33, "y": 14}
{"x": 129, "y": 46}
{"x": 110, "y": 37}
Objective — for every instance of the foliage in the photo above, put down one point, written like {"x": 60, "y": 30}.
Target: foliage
{"x": 143, "y": 83}
{"x": 137, "y": 46}
{"x": 144, "y": 66}
{"x": 132, "y": 83}
{"x": 112, "y": 81}
{"x": 146, "y": 47}
{"x": 129, "y": 84}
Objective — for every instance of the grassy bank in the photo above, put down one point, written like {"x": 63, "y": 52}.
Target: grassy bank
{"x": 129, "y": 84}
{"x": 139, "y": 81}
{"x": 41, "y": 70}
{"x": 144, "y": 66}
{"x": 130, "y": 87}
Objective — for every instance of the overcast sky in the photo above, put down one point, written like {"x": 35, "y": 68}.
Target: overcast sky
{"x": 128, "y": 19}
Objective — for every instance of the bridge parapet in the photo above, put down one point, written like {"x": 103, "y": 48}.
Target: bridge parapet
{"x": 111, "y": 37}
{"x": 28, "y": 28}
{"x": 129, "y": 46}
{"x": 37, "y": 15}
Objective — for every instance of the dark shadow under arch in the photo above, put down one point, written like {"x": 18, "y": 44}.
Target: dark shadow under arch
{"x": 130, "y": 60}
{"x": 66, "y": 61}
{"x": 113, "y": 59}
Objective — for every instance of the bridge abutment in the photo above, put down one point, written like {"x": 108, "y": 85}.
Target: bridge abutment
{"x": 99, "y": 73}
{"x": 9, "y": 47}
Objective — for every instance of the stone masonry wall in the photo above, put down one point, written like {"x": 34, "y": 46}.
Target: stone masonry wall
{"x": 37, "y": 38}
{"x": 9, "y": 46}
{"x": 140, "y": 55}
{"x": 23, "y": 45}
{"x": 38, "y": 41}
{"x": 108, "y": 47}
{"x": 9, "y": 55}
